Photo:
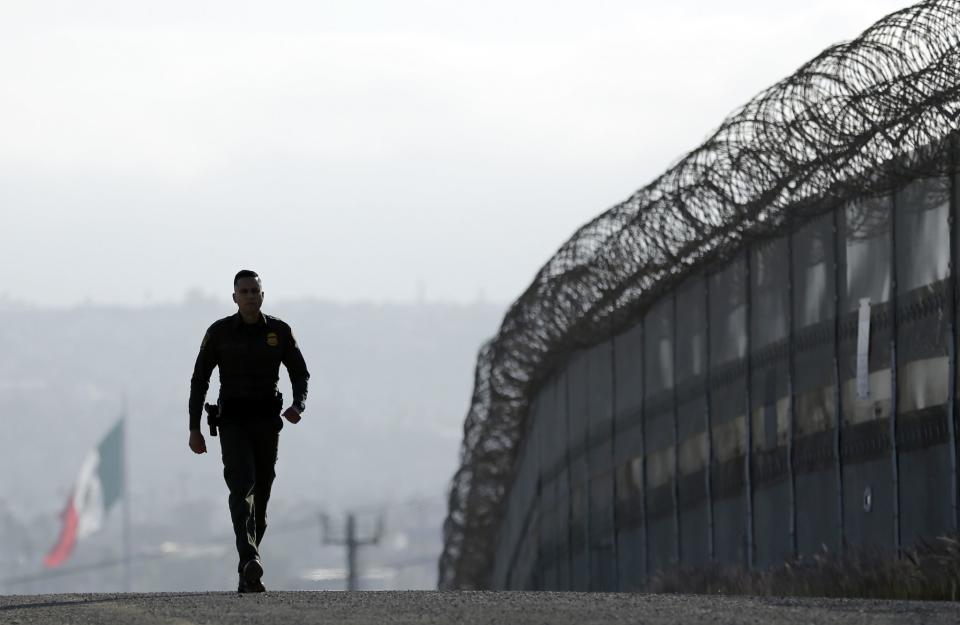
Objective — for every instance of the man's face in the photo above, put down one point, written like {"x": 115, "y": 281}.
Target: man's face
{"x": 247, "y": 295}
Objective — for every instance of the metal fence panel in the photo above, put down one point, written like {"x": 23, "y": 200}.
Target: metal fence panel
{"x": 631, "y": 547}
{"x": 603, "y": 573}
{"x": 600, "y": 415}
{"x": 659, "y": 500}
{"x": 562, "y": 528}
{"x": 691, "y": 352}
{"x": 730, "y": 529}
{"x": 693, "y": 438}
{"x": 922, "y": 265}
{"x": 955, "y": 215}
{"x": 563, "y": 490}
{"x": 631, "y": 531}
{"x": 694, "y": 530}
{"x": 817, "y": 477}
{"x": 524, "y": 573}
{"x": 692, "y": 483}
{"x": 552, "y": 431}
{"x": 728, "y": 404}
{"x": 770, "y": 401}
{"x": 642, "y": 451}
{"x": 923, "y": 241}
{"x": 728, "y": 313}
{"x": 813, "y": 276}
{"x": 869, "y": 503}
{"x": 631, "y": 561}
{"x": 769, "y": 299}
{"x": 817, "y": 524}
{"x": 628, "y": 364}
{"x": 771, "y": 509}
{"x": 925, "y": 506}
{"x": 771, "y": 478}
{"x": 867, "y": 252}
{"x": 603, "y": 565}
{"x": 548, "y": 552}
{"x": 545, "y": 470}
{"x": 601, "y": 400}
{"x": 551, "y": 461}
{"x": 727, "y": 475}
{"x": 659, "y": 436}
{"x": 578, "y": 397}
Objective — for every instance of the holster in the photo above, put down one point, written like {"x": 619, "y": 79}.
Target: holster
{"x": 213, "y": 417}
{"x": 233, "y": 409}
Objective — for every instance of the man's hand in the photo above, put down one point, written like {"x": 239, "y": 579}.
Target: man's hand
{"x": 197, "y": 444}
{"x": 291, "y": 414}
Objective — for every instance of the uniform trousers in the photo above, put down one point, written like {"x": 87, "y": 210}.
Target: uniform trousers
{"x": 249, "y": 451}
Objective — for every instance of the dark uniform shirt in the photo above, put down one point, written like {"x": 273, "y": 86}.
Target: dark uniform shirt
{"x": 249, "y": 357}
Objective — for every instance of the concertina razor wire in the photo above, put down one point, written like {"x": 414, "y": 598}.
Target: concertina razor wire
{"x": 858, "y": 120}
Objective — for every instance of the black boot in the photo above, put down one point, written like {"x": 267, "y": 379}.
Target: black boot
{"x": 250, "y": 577}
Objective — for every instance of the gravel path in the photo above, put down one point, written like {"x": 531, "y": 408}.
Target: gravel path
{"x": 458, "y": 608}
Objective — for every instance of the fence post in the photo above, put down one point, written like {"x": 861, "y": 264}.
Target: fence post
{"x": 535, "y": 576}
{"x": 838, "y": 214}
{"x": 952, "y": 329}
{"x": 556, "y": 534}
{"x": 613, "y": 462}
{"x": 748, "y": 454}
{"x": 677, "y": 546}
{"x": 707, "y": 418}
{"x": 588, "y": 485}
{"x": 566, "y": 443}
{"x": 791, "y": 399}
{"x": 643, "y": 446}
{"x": 894, "y": 394}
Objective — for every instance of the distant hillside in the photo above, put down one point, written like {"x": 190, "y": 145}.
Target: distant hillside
{"x": 390, "y": 386}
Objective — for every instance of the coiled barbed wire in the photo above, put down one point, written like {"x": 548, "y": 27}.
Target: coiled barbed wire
{"x": 858, "y": 120}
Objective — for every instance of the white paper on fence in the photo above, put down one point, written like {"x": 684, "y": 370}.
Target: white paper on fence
{"x": 863, "y": 350}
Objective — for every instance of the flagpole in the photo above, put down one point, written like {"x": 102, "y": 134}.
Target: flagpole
{"x": 126, "y": 502}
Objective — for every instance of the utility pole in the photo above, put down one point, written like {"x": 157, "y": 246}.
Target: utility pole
{"x": 350, "y": 541}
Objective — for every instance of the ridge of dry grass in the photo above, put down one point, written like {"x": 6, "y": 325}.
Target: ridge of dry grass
{"x": 926, "y": 571}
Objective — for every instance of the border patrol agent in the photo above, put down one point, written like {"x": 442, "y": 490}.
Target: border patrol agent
{"x": 248, "y": 347}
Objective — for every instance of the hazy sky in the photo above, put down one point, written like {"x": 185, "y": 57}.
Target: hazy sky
{"x": 355, "y": 150}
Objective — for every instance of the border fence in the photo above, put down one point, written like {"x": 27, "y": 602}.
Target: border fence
{"x": 749, "y": 359}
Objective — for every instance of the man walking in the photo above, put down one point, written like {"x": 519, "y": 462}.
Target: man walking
{"x": 248, "y": 347}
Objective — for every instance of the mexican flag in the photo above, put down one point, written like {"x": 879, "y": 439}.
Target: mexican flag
{"x": 98, "y": 486}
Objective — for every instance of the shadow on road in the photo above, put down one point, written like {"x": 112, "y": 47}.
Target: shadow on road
{"x": 69, "y": 602}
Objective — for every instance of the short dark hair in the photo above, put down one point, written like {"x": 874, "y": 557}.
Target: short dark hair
{"x": 244, "y": 273}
